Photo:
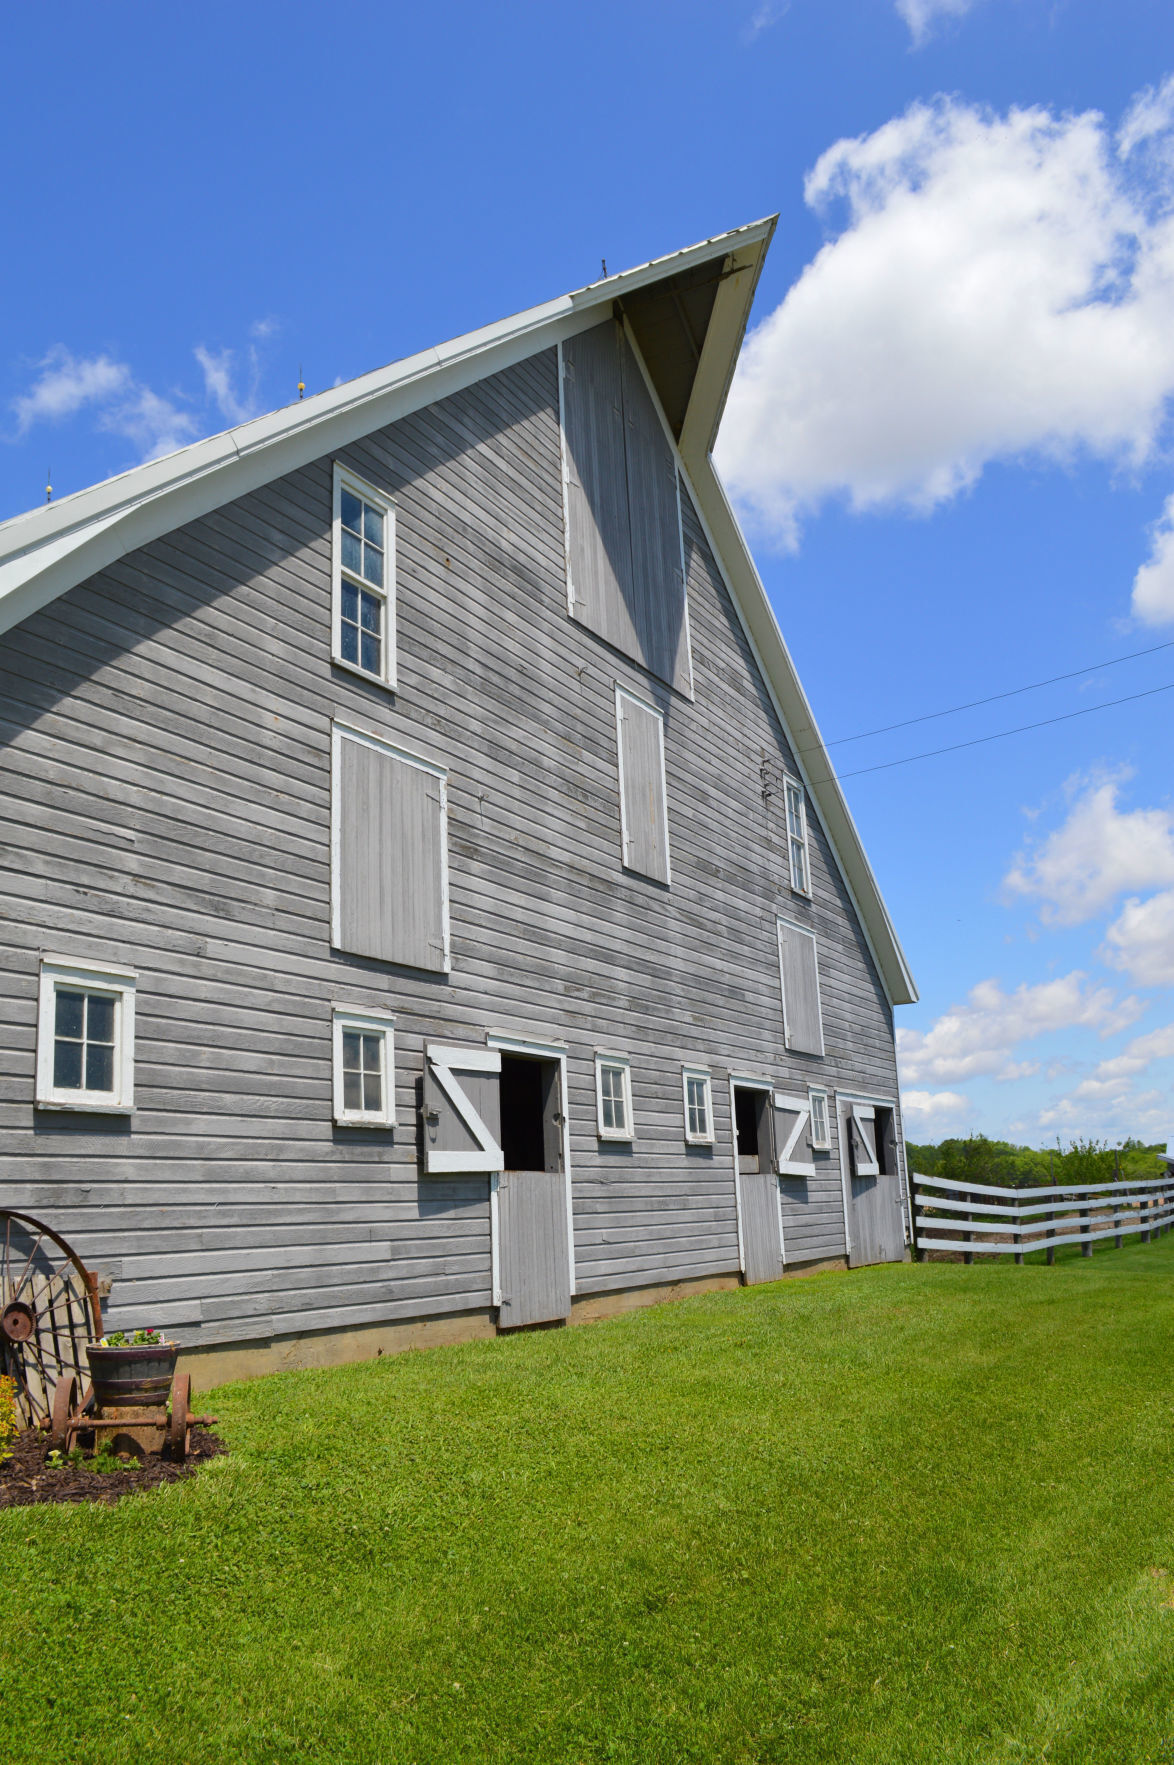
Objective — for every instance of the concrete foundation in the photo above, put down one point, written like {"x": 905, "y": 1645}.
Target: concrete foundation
{"x": 210, "y": 1367}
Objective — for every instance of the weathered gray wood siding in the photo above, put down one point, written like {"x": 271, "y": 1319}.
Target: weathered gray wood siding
{"x": 165, "y": 765}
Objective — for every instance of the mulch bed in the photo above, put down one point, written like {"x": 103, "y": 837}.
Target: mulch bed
{"x": 25, "y": 1478}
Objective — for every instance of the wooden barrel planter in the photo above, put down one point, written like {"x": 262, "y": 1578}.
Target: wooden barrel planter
{"x": 132, "y": 1378}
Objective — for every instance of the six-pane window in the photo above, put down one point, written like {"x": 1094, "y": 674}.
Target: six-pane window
{"x": 820, "y": 1133}
{"x": 698, "y": 1108}
{"x": 85, "y": 1036}
{"x": 797, "y": 839}
{"x": 613, "y": 1083}
{"x": 364, "y": 1068}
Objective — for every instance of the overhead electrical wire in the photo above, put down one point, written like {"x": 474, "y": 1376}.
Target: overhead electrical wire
{"x": 1013, "y": 692}
{"x": 1000, "y": 734}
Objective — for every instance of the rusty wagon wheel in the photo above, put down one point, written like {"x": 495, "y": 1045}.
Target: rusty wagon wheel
{"x": 181, "y": 1392}
{"x": 49, "y": 1310}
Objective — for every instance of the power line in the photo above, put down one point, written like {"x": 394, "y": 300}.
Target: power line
{"x": 972, "y": 704}
{"x": 998, "y": 736}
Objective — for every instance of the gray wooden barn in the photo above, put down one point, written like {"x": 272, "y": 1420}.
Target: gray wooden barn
{"x": 427, "y": 906}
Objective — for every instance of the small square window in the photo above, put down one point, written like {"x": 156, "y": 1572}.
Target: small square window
{"x": 85, "y": 1037}
{"x": 613, "y": 1092}
{"x": 698, "y": 1107}
{"x": 364, "y": 579}
{"x": 364, "y": 1068}
{"x": 797, "y": 838}
{"x": 821, "y": 1139}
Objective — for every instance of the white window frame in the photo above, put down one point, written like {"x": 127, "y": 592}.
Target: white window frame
{"x": 344, "y": 477}
{"x": 818, "y": 1143}
{"x": 367, "y": 1022}
{"x": 76, "y": 974}
{"x": 792, "y": 785}
{"x": 624, "y": 1065}
{"x": 702, "y": 1073}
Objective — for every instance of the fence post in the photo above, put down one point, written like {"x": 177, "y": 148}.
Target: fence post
{"x": 1116, "y": 1209}
{"x": 967, "y": 1255}
{"x": 1145, "y": 1209}
{"x": 1051, "y": 1210}
{"x": 1086, "y": 1224}
{"x": 1018, "y": 1221}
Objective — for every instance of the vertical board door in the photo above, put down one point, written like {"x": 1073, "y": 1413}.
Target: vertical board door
{"x": 758, "y": 1199}
{"x": 876, "y": 1225}
{"x": 533, "y": 1247}
{"x": 643, "y": 812}
{"x": 533, "y": 1256}
{"x": 390, "y": 863}
{"x": 462, "y": 1110}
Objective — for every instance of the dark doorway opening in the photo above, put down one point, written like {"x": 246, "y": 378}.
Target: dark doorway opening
{"x": 531, "y": 1121}
{"x": 752, "y": 1128}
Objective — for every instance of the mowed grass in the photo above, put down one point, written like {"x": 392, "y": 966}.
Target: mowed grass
{"x": 911, "y": 1513}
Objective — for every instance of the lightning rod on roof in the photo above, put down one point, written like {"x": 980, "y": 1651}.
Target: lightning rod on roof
{"x": 301, "y": 383}
{"x": 48, "y": 484}
{"x": 603, "y": 265}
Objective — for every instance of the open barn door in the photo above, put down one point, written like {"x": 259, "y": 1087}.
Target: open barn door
{"x": 759, "y": 1223}
{"x": 500, "y": 1112}
{"x": 872, "y": 1183}
{"x": 533, "y": 1239}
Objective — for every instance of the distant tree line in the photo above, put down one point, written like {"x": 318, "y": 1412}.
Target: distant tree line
{"x": 979, "y": 1160}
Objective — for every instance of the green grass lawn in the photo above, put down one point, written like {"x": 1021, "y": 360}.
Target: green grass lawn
{"x": 912, "y": 1513}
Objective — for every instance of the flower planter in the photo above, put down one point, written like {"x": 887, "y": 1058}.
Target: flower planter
{"x": 132, "y": 1378}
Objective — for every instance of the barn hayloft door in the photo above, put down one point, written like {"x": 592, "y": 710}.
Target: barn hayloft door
{"x": 500, "y": 1112}
{"x": 872, "y": 1185}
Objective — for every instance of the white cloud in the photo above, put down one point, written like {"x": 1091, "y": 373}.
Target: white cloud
{"x": 929, "y": 1109}
{"x": 1153, "y": 586}
{"x": 1113, "y": 1077}
{"x": 1098, "y": 853}
{"x": 922, "y": 15}
{"x": 219, "y": 369}
{"x": 1149, "y": 119}
{"x": 123, "y": 405}
{"x": 66, "y": 383}
{"x": 765, "y": 15}
{"x": 154, "y": 424}
{"x": 1002, "y": 286}
{"x": 976, "y": 1038}
{"x": 1141, "y": 940}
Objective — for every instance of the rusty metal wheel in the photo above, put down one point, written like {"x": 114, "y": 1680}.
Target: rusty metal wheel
{"x": 181, "y": 1394}
{"x": 65, "y": 1408}
{"x": 49, "y": 1310}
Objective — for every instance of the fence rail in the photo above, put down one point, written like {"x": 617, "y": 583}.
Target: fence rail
{"x": 981, "y": 1219}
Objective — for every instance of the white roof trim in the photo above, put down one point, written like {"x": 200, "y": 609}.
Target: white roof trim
{"x": 48, "y": 551}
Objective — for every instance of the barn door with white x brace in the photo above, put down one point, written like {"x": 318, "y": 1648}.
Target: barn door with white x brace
{"x": 462, "y": 1110}
{"x": 793, "y": 1135}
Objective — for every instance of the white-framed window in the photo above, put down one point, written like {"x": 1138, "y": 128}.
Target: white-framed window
{"x": 613, "y": 1097}
{"x": 85, "y": 1036}
{"x": 364, "y": 1067}
{"x": 797, "y": 837}
{"x": 821, "y": 1134}
{"x": 698, "y": 1100}
{"x": 363, "y": 578}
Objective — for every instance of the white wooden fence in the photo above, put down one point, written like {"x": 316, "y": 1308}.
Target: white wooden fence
{"x": 981, "y": 1220}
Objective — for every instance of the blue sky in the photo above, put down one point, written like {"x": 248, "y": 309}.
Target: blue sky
{"x": 950, "y": 439}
